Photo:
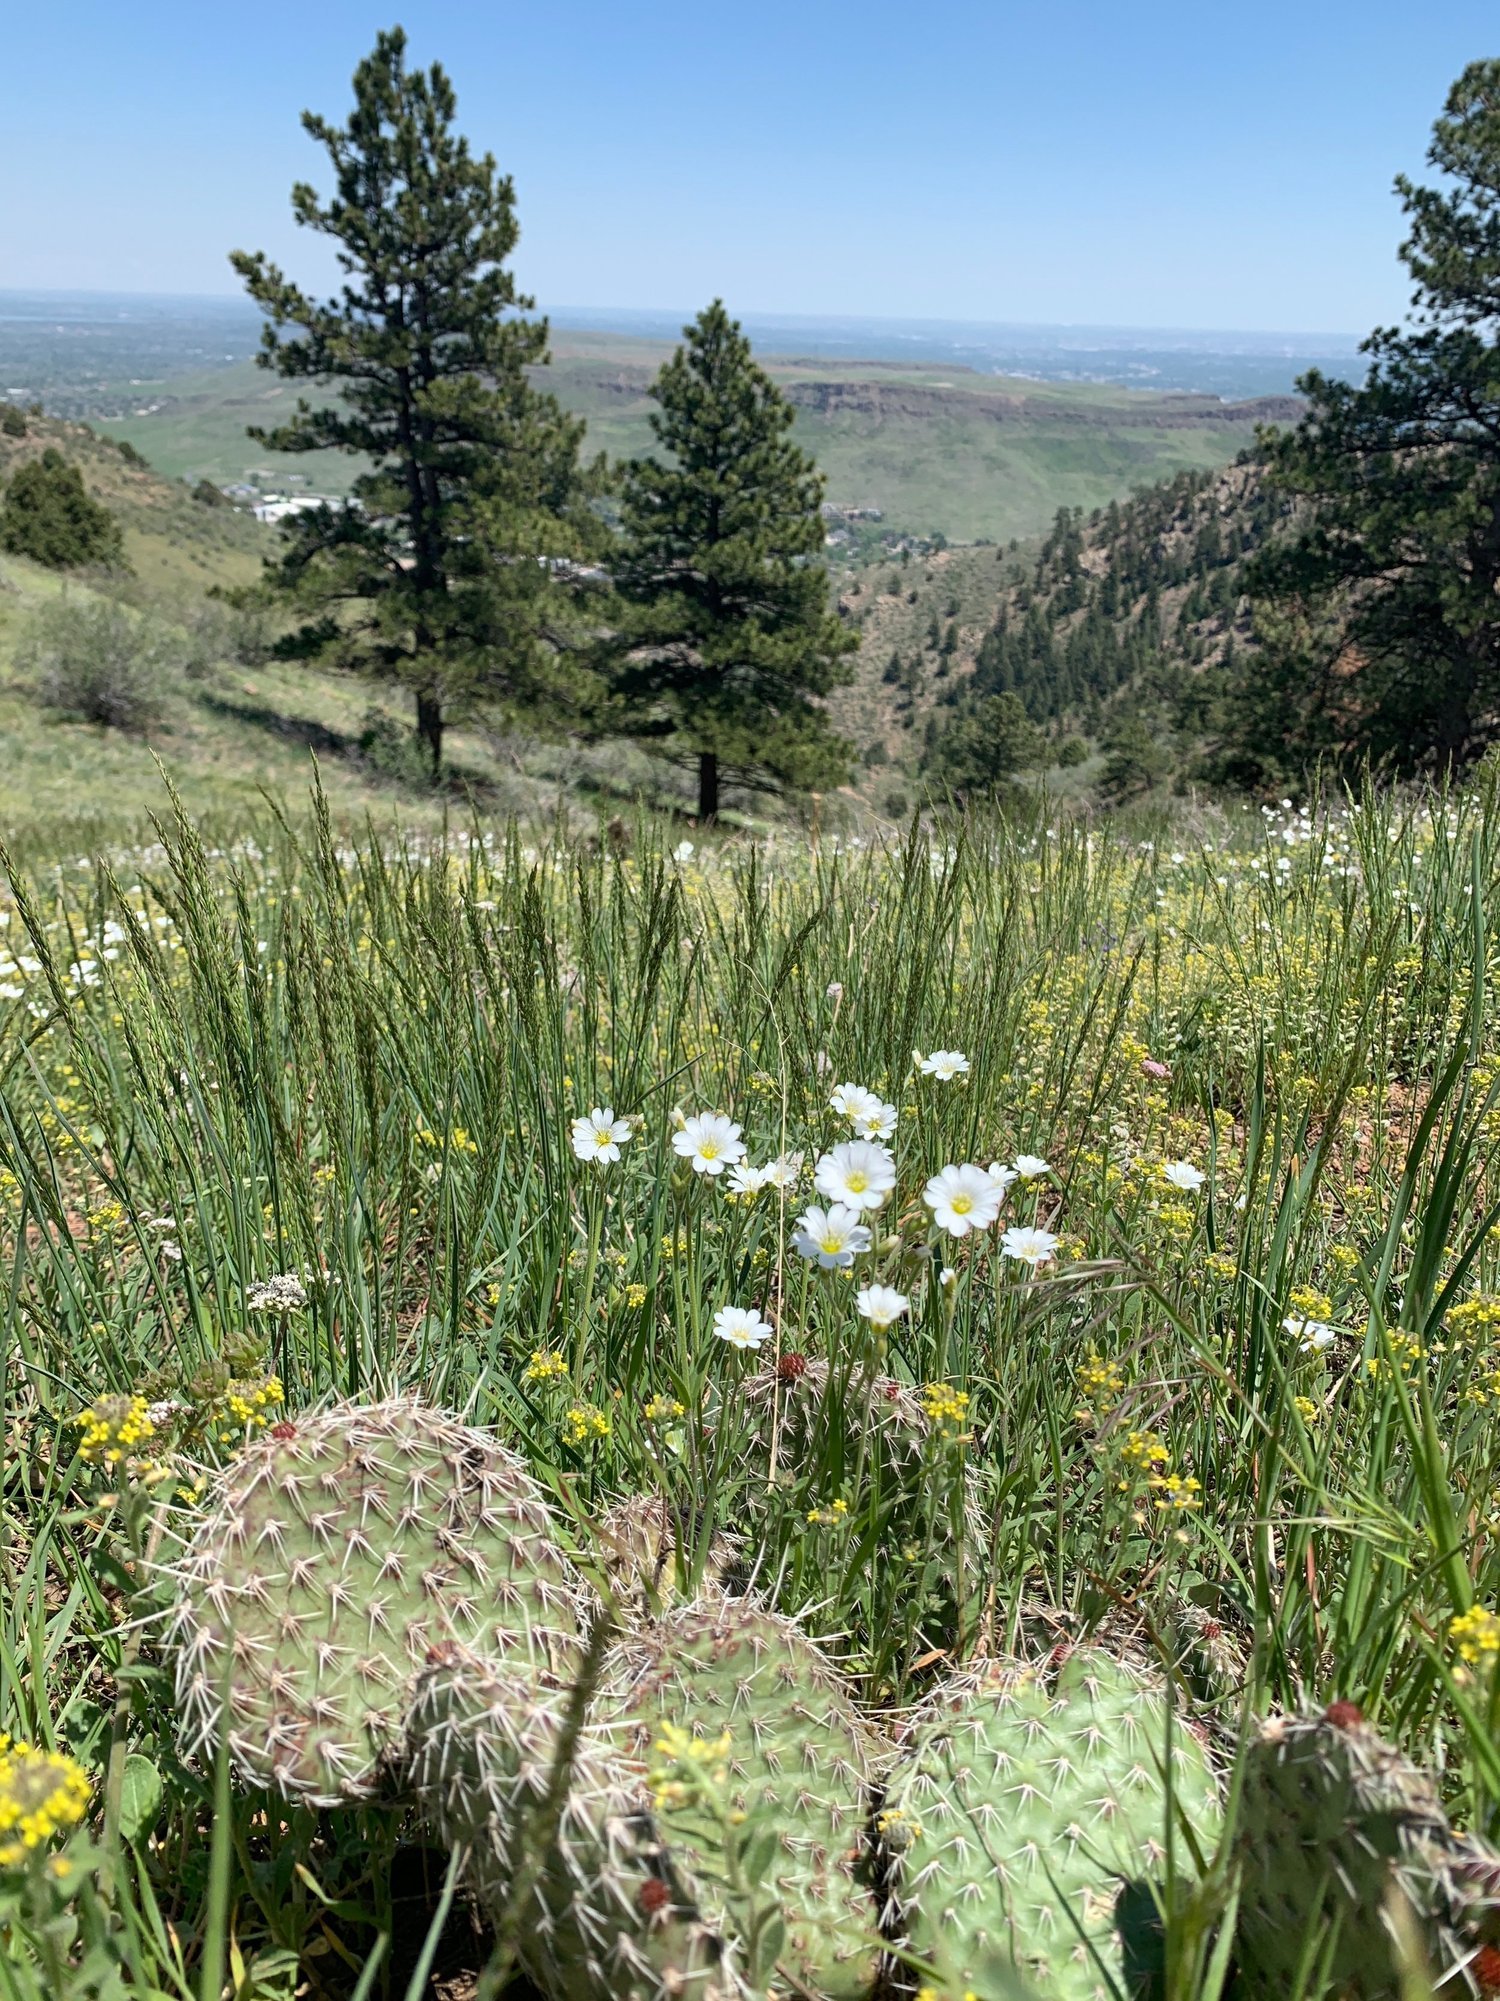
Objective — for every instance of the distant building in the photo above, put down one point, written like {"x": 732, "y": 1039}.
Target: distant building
{"x": 276, "y": 507}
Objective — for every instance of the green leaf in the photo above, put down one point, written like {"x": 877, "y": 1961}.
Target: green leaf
{"x": 140, "y": 1797}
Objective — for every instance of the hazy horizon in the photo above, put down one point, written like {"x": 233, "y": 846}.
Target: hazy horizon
{"x": 1002, "y": 166}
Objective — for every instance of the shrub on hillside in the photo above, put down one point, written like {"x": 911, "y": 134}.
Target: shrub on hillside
{"x": 96, "y": 661}
{"x": 12, "y": 421}
{"x": 49, "y": 515}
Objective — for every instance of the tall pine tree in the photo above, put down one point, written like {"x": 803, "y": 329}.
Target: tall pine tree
{"x": 726, "y": 640}
{"x": 1393, "y": 572}
{"x": 449, "y": 571}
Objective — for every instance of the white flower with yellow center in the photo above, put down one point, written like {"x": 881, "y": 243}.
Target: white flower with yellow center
{"x": 747, "y": 1180}
{"x": 1029, "y": 1246}
{"x": 783, "y": 1172}
{"x": 859, "y": 1174}
{"x": 599, "y": 1135}
{"x": 710, "y": 1141}
{"x": 868, "y": 1113}
{"x": 1004, "y": 1177}
{"x": 1031, "y": 1166}
{"x": 945, "y": 1064}
{"x": 832, "y": 1236}
{"x": 962, "y": 1198}
{"x": 882, "y": 1305}
{"x": 741, "y": 1327}
{"x": 1183, "y": 1175}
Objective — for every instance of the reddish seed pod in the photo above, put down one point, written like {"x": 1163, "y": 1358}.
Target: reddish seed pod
{"x": 791, "y": 1368}
{"x": 1485, "y": 1967}
{"x": 1343, "y": 1715}
{"x": 654, "y": 1896}
{"x": 286, "y": 1429}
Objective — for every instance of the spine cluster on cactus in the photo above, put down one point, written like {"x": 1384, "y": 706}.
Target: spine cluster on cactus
{"x": 1347, "y": 1857}
{"x": 338, "y": 1551}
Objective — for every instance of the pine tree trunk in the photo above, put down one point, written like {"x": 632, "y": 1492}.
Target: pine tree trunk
{"x": 430, "y": 728}
{"x": 708, "y": 788}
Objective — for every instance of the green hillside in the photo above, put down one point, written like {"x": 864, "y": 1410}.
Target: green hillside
{"x": 943, "y": 451}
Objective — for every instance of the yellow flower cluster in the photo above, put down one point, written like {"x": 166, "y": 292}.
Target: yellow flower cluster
{"x": 111, "y": 1429}
{"x": 946, "y": 1408}
{"x": 1476, "y": 1635}
{"x": 42, "y": 1794}
{"x": 545, "y": 1366}
{"x": 1176, "y": 1493}
{"x": 830, "y": 1516}
{"x": 458, "y": 1139}
{"x": 897, "y": 1829}
{"x": 635, "y": 1296}
{"x": 687, "y": 1761}
{"x": 248, "y": 1405}
{"x": 1407, "y": 1350}
{"x": 1099, "y": 1384}
{"x": 1144, "y": 1451}
{"x": 662, "y": 1409}
{"x": 1307, "y": 1303}
{"x": 1477, "y": 1320}
{"x": 583, "y": 1422}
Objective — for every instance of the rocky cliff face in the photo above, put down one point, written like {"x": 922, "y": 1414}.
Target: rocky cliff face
{"x": 884, "y": 401}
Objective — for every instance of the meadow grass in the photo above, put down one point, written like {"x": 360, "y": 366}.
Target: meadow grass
{"x": 1257, "y": 1377}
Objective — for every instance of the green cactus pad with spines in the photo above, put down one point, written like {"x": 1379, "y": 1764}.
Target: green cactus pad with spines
{"x": 798, "y": 1748}
{"x": 1028, "y": 1817}
{"x": 608, "y": 1915}
{"x": 1335, "y": 1824}
{"x": 338, "y": 1551}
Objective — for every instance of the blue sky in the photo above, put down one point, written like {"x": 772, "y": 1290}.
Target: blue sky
{"x": 1151, "y": 164}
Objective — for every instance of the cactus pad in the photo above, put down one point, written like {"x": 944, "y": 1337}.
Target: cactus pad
{"x": 607, "y": 1914}
{"x": 339, "y": 1550}
{"x": 798, "y": 1748}
{"x": 1336, "y": 1827}
{"x": 1027, "y": 1818}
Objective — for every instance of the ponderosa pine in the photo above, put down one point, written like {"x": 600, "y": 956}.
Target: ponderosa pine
{"x": 1394, "y": 567}
{"x": 449, "y": 571}
{"x": 726, "y": 643}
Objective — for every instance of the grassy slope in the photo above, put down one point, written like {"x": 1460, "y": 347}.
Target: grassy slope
{"x": 226, "y": 738}
{"x": 938, "y": 450}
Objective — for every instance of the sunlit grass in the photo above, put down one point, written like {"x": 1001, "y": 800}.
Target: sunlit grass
{"x": 1259, "y": 1394}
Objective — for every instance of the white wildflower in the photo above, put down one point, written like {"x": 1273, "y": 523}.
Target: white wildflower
{"x": 741, "y": 1326}
{"x": 882, "y": 1305}
{"x": 962, "y": 1198}
{"x": 710, "y": 1141}
{"x": 1029, "y": 1246}
{"x": 599, "y": 1135}
{"x": 860, "y": 1174}
{"x": 834, "y": 1236}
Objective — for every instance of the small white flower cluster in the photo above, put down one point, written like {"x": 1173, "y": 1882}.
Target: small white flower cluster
{"x": 285, "y": 1293}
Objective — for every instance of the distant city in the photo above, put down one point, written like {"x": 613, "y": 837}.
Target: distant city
{"x": 82, "y": 354}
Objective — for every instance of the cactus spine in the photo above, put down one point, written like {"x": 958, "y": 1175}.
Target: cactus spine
{"x": 1338, "y": 1832}
{"x": 1027, "y": 1818}
{"x": 339, "y": 1550}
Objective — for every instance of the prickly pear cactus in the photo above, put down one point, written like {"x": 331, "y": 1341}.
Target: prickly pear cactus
{"x": 1338, "y": 1830}
{"x": 339, "y": 1550}
{"x": 607, "y": 1913}
{"x": 798, "y": 1748}
{"x": 1028, "y": 1816}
